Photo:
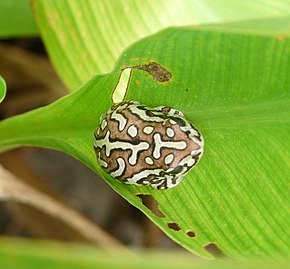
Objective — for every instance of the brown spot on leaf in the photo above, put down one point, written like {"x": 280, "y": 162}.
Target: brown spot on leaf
{"x": 157, "y": 71}
{"x": 191, "y": 233}
{"x": 214, "y": 250}
{"x": 173, "y": 226}
{"x": 150, "y": 202}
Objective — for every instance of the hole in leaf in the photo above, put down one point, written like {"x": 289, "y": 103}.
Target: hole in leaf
{"x": 150, "y": 202}
{"x": 173, "y": 226}
{"x": 214, "y": 250}
{"x": 122, "y": 85}
{"x": 157, "y": 71}
{"x": 190, "y": 233}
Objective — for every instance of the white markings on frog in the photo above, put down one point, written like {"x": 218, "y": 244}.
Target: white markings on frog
{"x": 170, "y": 132}
{"x": 159, "y": 144}
{"x": 116, "y": 145}
{"x": 104, "y": 124}
{"x": 142, "y": 114}
{"x": 149, "y": 160}
{"x": 148, "y": 130}
{"x": 171, "y": 180}
{"x": 189, "y": 161}
{"x": 143, "y": 174}
{"x": 169, "y": 159}
{"x": 133, "y": 131}
{"x": 121, "y": 120}
{"x": 102, "y": 162}
{"x": 121, "y": 168}
{"x": 192, "y": 133}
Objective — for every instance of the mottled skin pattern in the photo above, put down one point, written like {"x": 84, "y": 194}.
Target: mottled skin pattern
{"x": 147, "y": 146}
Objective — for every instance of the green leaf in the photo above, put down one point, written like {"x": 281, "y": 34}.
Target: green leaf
{"x": 233, "y": 85}
{"x": 22, "y": 254}
{"x": 2, "y": 89}
{"x": 16, "y": 19}
{"x": 85, "y": 38}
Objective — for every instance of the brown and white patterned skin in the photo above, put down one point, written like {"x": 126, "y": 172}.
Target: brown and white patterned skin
{"x": 139, "y": 145}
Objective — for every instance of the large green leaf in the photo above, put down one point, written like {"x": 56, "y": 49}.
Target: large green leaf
{"x": 16, "y": 19}
{"x": 85, "y": 38}
{"x": 233, "y": 84}
{"x": 27, "y": 254}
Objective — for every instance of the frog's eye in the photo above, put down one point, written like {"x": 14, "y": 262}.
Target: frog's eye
{"x": 139, "y": 145}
